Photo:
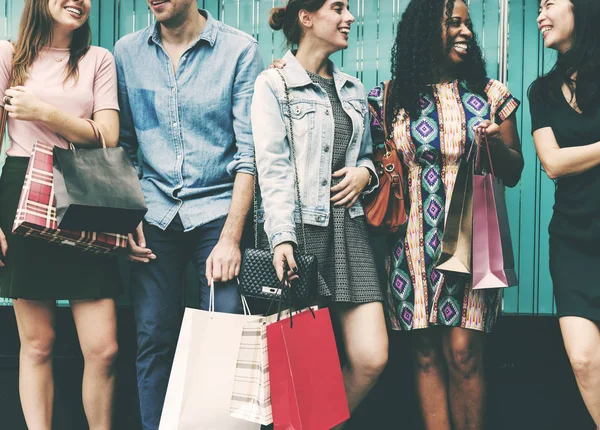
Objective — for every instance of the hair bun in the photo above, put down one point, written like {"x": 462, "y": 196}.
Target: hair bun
{"x": 277, "y": 18}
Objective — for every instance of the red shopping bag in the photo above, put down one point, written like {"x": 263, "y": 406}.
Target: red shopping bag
{"x": 493, "y": 258}
{"x": 307, "y": 388}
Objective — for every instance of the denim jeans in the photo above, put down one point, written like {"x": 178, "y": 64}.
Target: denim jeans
{"x": 158, "y": 291}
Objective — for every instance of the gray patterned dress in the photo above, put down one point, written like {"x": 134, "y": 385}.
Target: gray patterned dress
{"x": 345, "y": 258}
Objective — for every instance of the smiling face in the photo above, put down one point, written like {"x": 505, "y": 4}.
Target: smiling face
{"x": 171, "y": 11}
{"x": 69, "y": 14}
{"x": 330, "y": 25}
{"x": 456, "y": 33}
{"x": 556, "y": 21}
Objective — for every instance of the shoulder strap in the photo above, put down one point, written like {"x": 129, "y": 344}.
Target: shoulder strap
{"x": 386, "y": 86}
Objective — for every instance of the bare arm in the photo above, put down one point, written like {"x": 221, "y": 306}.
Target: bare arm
{"x": 559, "y": 162}
{"x": 505, "y": 149}
{"x": 26, "y": 106}
{"x": 225, "y": 260}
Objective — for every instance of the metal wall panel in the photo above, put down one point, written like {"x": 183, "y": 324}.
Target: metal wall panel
{"x": 512, "y": 50}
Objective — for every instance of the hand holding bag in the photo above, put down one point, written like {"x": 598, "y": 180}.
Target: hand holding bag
{"x": 258, "y": 278}
{"x": 97, "y": 189}
{"x": 386, "y": 206}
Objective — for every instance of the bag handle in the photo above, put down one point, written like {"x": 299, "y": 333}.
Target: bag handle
{"x": 97, "y": 133}
{"x": 3, "y": 121}
{"x": 482, "y": 136}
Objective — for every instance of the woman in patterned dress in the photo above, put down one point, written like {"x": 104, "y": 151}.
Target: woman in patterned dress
{"x": 439, "y": 97}
{"x": 332, "y": 141}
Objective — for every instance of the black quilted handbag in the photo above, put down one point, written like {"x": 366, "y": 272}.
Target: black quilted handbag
{"x": 258, "y": 278}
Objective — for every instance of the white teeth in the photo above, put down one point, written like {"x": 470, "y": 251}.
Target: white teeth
{"x": 155, "y": 3}
{"x": 345, "y": 30}
{"x": 73, "y": 10}
{"x": 545, "y": 30}
{"x": 461, "y": 47}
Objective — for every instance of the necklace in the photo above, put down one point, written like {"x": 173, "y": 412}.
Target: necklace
{"x": 58, "y": 60}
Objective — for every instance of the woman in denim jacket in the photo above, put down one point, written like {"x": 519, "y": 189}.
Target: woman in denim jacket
{"x": 332, "y": 142}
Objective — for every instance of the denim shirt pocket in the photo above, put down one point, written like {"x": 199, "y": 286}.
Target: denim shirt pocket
{"x": 303, "y": 115}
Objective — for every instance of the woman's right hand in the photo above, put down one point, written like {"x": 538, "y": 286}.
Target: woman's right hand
{"x": 3, "y": 247}
{"x": 283, "y": 260}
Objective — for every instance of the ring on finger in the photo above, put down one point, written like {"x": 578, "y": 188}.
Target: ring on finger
{"x": 6, "y": 100}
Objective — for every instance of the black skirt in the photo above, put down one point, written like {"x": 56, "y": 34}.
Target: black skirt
{"x": 38, "y": 270}
{"x": 573, "y": 268}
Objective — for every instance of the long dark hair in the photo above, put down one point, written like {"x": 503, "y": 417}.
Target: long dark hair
{"x": 582, "y": 58}
{"x": 35, "y": 34}
{"x": 286, "y": 18}
{"x": 417, "y": 52}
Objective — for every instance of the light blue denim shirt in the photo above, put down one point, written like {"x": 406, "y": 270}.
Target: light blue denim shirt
{"x": 192, "y": 128}
{"x": 313, "y": 124}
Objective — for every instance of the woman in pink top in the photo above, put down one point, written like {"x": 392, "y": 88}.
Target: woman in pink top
{"x": 51, "y": 81}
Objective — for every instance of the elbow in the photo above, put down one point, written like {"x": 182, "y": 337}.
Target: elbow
{"x": 553, "y": 170}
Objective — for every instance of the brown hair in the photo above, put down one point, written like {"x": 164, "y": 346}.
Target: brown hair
{"x": 35, "y": 34}
{"x": 286, "y": 18}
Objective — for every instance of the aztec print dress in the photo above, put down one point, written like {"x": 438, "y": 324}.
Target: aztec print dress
{"x": 418, "y": 296}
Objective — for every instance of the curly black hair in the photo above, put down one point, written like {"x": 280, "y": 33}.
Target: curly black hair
{"x": 416, "y": 54}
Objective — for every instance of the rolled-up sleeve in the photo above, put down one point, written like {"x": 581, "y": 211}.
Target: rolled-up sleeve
{"x": 127, "y": 136}
{"x": 365, "y": 155}
{"x": 249, "y": 67}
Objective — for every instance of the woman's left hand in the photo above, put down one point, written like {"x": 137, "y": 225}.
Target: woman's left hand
{"x": 348, "y": 190}
{"x": 22, "y": 103}
{"x": 491, "y": 129}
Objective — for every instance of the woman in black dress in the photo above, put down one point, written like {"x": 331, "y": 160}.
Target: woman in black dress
{"x": 565, "y": 114}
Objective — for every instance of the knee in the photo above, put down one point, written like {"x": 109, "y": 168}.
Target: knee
{"x": 426, "y": 354}
{"x": 370, "y": 364}
{"x": 584, "y": 365}
{"x": 38, "y": 349}
{"x": 465, "y": 360}
{"x": 102, "y": 354}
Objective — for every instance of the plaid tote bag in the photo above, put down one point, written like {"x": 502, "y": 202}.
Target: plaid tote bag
{"x": 36, "y": 212}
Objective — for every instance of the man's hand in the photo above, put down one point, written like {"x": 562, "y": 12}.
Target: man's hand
{"x": 223, "y": 263}
{"x": 138, "y": 253}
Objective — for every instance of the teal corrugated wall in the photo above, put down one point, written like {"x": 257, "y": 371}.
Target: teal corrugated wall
{"x": 508, "y": 33}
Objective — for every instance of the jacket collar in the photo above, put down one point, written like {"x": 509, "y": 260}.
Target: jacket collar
{"x": 297, "y": 77}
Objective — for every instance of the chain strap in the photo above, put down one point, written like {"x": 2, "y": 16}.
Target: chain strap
{"x": 296, "y": 182}
{"x": 293, "y": 146}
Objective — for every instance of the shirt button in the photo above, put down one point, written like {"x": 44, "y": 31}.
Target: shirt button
{"x": 297, "y": 111}
{"x": 326, "y": 149}
{"x": 324, "y": 182}
{"x": 319, "y": 218}
{"x": 175, "y": 124}
{"x": 326, "y": 111}
{"x": 173, "y": 89}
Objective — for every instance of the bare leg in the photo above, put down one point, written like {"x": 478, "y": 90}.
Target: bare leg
{"x": 582, "y": 341}
{"x": 464, "y": 349}
{"x": 431, "y": 378}
{"x": 35, "y": 320}
{"x": 366, "y": 342}
{"x": 96, "y": 323}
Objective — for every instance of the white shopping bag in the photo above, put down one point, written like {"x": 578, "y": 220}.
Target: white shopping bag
{"x": 201, "y": 381}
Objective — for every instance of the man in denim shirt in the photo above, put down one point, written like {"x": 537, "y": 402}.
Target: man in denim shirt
{"x": 185, "y": 88}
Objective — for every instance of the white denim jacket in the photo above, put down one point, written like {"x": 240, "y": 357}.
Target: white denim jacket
{"x": 313, "y": 126}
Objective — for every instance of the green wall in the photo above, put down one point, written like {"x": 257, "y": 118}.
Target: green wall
{"x": 508, "y": 33}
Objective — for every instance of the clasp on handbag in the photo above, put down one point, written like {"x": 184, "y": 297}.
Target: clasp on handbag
{"x": 271, "y": 290}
